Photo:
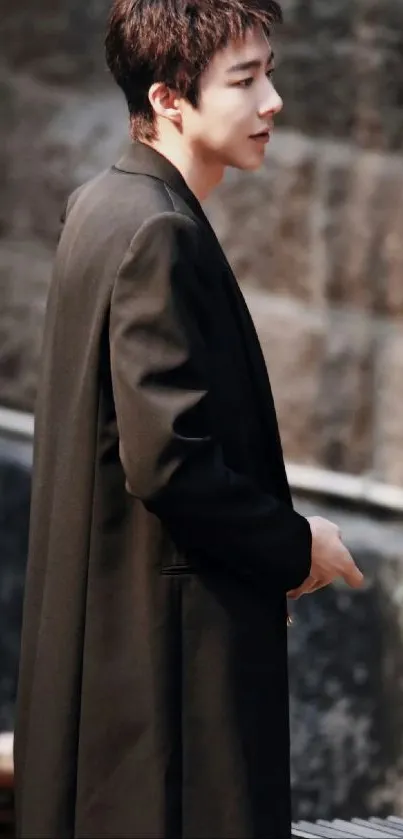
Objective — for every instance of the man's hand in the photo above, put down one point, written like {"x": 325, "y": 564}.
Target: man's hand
{"x": 330, "y": 559}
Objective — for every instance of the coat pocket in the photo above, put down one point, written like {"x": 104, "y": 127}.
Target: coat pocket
{"x": 177, "y": 570}
{"x": 175, "y": 564}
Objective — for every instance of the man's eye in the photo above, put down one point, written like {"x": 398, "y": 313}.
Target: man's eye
{"x": 245, "y": 82}
{"x": 270, "y": 73}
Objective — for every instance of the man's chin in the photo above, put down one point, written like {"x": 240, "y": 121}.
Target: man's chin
{"x": 247, "y": 162}
{"x": 248, "y": 165}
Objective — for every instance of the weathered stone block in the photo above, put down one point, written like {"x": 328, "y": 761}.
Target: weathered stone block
{"x": 345, "y": 398}
{"x": 391, "y": 255}
{"x": 320, "y": 223}
{"x": 58, "y": 43}
{"x": 57, "y": 139}
{"x": 293, "y": 340}
{"x": 273, "y": 208}
{"x": 388, "y": 407}
{"x": 322, "y": 371}
{"x": 363, "y": 208}
{"x": 24, "y": 278}
{"x": 338, "y": 70}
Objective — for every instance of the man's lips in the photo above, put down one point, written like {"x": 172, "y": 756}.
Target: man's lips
{"x": 263, "y": 136}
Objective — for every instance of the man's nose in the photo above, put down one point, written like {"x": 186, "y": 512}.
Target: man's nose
{"x": 273, "y": 104}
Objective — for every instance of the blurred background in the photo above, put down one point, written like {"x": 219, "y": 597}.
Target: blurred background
{"x": 316, "y": 241}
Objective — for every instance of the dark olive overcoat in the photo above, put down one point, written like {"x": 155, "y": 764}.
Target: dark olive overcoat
{"x": 153, "y": 694}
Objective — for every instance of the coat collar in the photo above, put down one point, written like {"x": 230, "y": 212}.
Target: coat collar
{"x": 140, "y": 159}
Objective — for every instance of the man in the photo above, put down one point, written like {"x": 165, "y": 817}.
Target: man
{"x": 153, "y": 698}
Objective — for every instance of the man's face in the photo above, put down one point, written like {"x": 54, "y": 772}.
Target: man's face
{"x": 237, "y": 102}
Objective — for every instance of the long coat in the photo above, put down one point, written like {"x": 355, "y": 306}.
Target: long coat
{"x": 153, "y": 695}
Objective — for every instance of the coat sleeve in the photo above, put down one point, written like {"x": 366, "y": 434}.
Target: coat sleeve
{"x": 160, "y": 382}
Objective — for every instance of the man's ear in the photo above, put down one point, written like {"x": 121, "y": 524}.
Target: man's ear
{"x": 165, "y": 102}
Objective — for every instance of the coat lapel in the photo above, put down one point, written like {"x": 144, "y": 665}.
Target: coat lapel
{"x": 259, "y": 377}
{"x": 141, "y": 159}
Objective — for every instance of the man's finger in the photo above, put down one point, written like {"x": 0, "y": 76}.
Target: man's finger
{"x": 320, "y": 584}
{"x": 353, "y": 576}
{"x": 309, "y": 587}
{"x": 311, "y": 584}
{"x": 305, "y": 588}
{"x": 294, "y": 594}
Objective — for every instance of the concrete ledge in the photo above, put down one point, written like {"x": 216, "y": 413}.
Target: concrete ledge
{"x": 16, "y": 424}
{"x": 357, "y": 489}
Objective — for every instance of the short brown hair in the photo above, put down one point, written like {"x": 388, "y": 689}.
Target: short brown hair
{"x": 173, "y": 41}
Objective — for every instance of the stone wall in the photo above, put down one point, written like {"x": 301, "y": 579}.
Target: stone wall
{"x": 320, "y": 255}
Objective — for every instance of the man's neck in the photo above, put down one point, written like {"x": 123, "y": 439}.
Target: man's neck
{"x": 200, "y": 176}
